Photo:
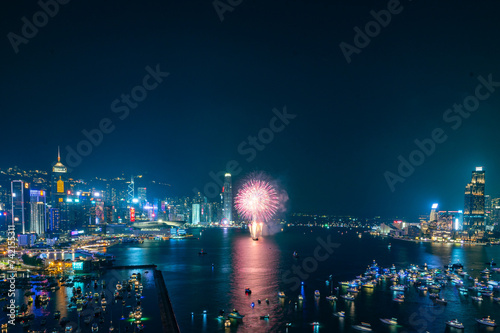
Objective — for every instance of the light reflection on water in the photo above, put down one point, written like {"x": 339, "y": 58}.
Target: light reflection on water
{"x": 238, "y": 262}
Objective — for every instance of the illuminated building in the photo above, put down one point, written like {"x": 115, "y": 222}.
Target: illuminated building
{"x": 37, "y": 212}
{"x": 54, "y": 220}
{"x": 196, "y": 212}
{"x": 17, "y": 193}
{"x": 474, "y": 208}
{"x": 227, "y": 198}
{"x": 58, "y": 192}
{"x": 141, "y": 195}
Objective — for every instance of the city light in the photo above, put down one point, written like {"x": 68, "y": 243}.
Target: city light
{"x": 434, "y": 206}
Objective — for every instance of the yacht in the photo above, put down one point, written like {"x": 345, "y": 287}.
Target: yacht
{"x": 398, "y": 287}
{"x": 441, "y": 301}
{"x": 392, "y": 321}
{"x": 363, "y": 327}
{"x": 235, "y": 314}
{"x": 422, "y": 288}
{"x": 331, "y": 298}
{"x": 477, "y": 298}
{"x": 348, "y": 297}
{"x": 399, "y": 299}
{"x": 455, "y": 323}
{"x": 487, "y": 321}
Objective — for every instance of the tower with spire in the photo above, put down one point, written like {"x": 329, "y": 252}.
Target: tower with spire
{"x": 58, "y": 192}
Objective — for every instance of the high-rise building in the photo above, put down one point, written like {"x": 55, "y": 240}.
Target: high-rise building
{"x": 141, "y": 195}
{"x": 54, "y": 220}
{"x": 227, "y": 199}
{"x": 17, "y": 192}
{"x": 58, "y": 192}
{"x": 474, "y": 205}
{"x": 38, "y": 212}
{"x": 196, "y": 213}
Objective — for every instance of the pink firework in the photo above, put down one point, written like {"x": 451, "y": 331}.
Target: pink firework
{"x": 257, "y": 200}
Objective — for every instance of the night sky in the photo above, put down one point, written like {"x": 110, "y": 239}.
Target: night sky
{"x": 225, "y": 78}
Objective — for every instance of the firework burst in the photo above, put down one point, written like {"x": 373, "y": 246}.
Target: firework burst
{"x": 257, "y": 200}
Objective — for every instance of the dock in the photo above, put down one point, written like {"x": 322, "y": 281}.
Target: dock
{"x": 167, "y": 313}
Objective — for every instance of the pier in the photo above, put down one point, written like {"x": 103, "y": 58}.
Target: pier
{"x": 167, "y": 313}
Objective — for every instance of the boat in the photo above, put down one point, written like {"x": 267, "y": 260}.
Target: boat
{"x": 68, "y": 328}
{"x": 255, "y": 238}
{"x": 422, "y": 288}
{"x": 202, "y": 252}
{"x": 398, "y": 287}
{"x": 316, "y": 293}
{"x": 399, "y": 299}
{"x": 441, "y": 301}
{"x": 295, "y": 254}
{"x": 95, "y": 327}
{"x": 301, "y": 298}
{"x": 315, "y": 323}
{"x": 363, "y": 327}
{"x": 235, "y": 314}
{"x": 368, "y": 285}
{"x": 433, "y": 295}
{"x": 339, "y": 314}
{"x": 248, "y": 291}
{"x": 348, "y": 297}
{"x": 352, "y": 290}
{"x": 280, "y": 295}
{"x": 331, "y": 298}
{"x": 455, "y": 323}
{"x": 227, "y": 323}
{"x": 477, "y": 298}
{"x": 487, "y": 321}
{"x": 265, "y": 317}
{"x": 392, "y": 321}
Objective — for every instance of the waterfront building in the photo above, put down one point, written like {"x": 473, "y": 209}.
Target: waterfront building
{"x": 196, "y": 213}
{"x": 227, "y": 199}
{"x": 474, "y": 205}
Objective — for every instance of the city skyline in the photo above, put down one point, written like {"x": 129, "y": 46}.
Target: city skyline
{"x": 57, "y": 186}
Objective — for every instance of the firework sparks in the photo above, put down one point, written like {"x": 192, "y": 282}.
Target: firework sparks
{"x": 257, "y": 201}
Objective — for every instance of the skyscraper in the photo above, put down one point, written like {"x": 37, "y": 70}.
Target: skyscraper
{"x": 227, "y": 198}
{"x": 474, "y": 205}
{"x": 196, "y": 212}
{"x": 17, "y": 191}
{"x": 58, "y": 194}
{"x": 37, "y": 212}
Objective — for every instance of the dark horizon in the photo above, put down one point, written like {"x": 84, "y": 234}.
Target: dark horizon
{"x": 208, "y": 86}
